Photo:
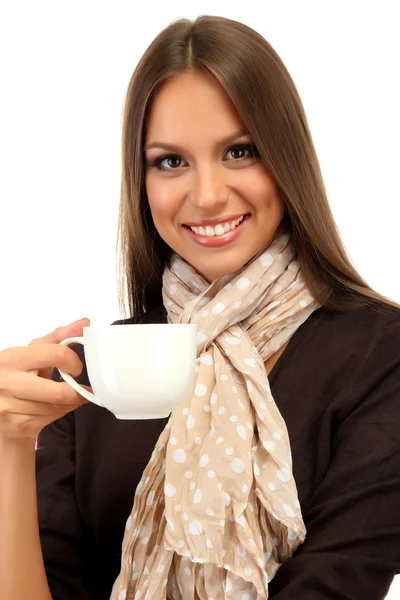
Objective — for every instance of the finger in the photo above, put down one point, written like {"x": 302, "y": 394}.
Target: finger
{"x": 31, "y": 358}
{"x": 10, "y": 407}
{"x": 27, "y": 386}
{"x": 61, "y": 333}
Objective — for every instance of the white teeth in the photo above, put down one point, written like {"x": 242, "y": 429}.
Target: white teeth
{"x": 219, "y": 229}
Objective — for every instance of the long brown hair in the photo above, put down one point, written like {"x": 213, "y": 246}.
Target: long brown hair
{"x": 265, "y": 96}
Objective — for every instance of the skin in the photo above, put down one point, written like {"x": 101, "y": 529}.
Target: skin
{"x": 204, "y": 179}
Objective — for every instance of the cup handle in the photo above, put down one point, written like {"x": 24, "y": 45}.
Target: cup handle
{"x": 71, "y": 381}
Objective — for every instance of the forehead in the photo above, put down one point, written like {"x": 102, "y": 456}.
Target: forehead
{"x": 191, "y": 106}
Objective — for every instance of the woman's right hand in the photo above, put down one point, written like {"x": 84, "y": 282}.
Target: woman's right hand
{"x": 29, "y": 400}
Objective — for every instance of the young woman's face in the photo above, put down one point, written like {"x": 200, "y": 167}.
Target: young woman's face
{"x": 197, "y": 177}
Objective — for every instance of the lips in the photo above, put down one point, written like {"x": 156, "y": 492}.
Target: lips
{"x": 217, "y": 241}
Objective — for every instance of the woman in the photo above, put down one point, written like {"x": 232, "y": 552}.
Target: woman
{"x": 224, "y": 221}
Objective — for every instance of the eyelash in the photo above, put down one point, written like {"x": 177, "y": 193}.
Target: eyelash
{"x": 157, "y": 162}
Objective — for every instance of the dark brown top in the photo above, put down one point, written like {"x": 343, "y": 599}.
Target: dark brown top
{"x": 337, "y": 386}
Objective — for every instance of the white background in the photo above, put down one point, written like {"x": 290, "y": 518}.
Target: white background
{"x": 65, "y": 67}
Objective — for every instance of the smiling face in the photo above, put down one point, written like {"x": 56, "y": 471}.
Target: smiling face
{"x": 203, "y": 171}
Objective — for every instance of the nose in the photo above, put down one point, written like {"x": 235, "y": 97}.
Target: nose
{"x": 209, "y": 192}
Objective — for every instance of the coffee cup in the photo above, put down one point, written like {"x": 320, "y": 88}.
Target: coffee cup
{"x": 137, "y": 371}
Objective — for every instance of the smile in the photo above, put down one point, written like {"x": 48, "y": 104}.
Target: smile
{"x": 218, "y": 236}
{"x": 219, "y": 229}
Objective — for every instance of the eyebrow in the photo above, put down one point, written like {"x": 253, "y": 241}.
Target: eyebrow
{"x": 175, "y": 147}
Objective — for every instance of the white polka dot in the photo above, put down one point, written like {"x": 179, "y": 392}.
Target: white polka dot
{"x": 206, "y": 359}
{"x": 303, "y": 303}
{"x": 179, "y": 456}
{"x": 227, "y": 584}
{"x": 238, "y": 304}
{"x": 272, "y": 487}
{"x": 185, "y": 411}
{"x": 241, "y": 550}
{"x": 241, "y": 432}
{"x": 248, "y": 572}
{"x": 187, "y": 571}
{"x": 249, "y": 385}
{"x": 221, "y": 410}
{"x": 283, "y": 475}
{"x": 218, "y": 308}
{"x": 296, "y": 503}
{"x": 244, "y": 488}
{"x": 237, "y": 465}
{"x": 192, "y": 485}
{"x": 276, "y": 435}
{"x": 204, "y": 313}
{"x": 227, "y": 286}
{"x": 223, "y": 377}
{"x": 233, "y": 419}
{"x": 128, "y": 523}
{"x": 150, "y": 498}
{"x": 234, "y": 389}
{"x": 172, "y": 289}
{"x": 242, "y": 282}
{"x": 266, "y": 259}
{"x": 173, "y": 441}
{"x": 219, "y": 440}
{"x": 185, "y": 516}
{"x": 250, "y": 362}
{"x": 242, "y": 406}
{"x": 209, "y": 544}
{"x": 211, "y": 474}
{"x": 269, "y": 445}
{"x": 181, "y": 543}
{"x": 232, "y": 341}
{"x": 178, "y": 507}
{"x": 245, "y": 596}
{"x": 160, "y": 568}
{"x": 201, "y": 389}
{"x": 122, "y": 595}
{"x": 292, "y": 535}
{"x": 200, "y": 337}
{"x": 188, "y": 474}
{"x": 170, "y": 526}
{"x": 241, "y": 520}
{"x": 275, "y": 289}
{"x": 197, "y": 440}
{"x": 214, "y": 398}
{"x": 190, "y": 423}
{"x": 169, "y": 490}
{"x": 196, "y": 528}
{"x": 204, "y": 460}
{"x": 198, "y": 495}
{"x": 229, "y": 451}
{"x": 252, "y": 542}
{"x": 206, "y": 408}
{"x": 135, "y": 575}
{"x": 288, "y": 510}
{"x": 210, "y": 511}
{"x": 227, "y": 499}
{"x": 263, "y": 406}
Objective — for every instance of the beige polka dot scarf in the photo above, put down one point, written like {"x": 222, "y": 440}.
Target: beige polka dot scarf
{"x": 216, "y": 512}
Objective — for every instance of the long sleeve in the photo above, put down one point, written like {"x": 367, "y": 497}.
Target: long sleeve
{"x": 352, "y": 548}
{"x": 61, "y": 530}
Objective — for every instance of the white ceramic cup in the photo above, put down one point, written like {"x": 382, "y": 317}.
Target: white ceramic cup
{"x": 137, "y": 371}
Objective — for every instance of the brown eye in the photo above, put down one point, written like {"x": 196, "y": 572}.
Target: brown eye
{"x": 243, "y": 148}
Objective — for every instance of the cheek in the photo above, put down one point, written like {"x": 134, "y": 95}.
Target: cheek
{"x": 162, "y": 201}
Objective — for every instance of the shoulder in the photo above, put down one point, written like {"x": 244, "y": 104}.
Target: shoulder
{"x": 360, "y": 349}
